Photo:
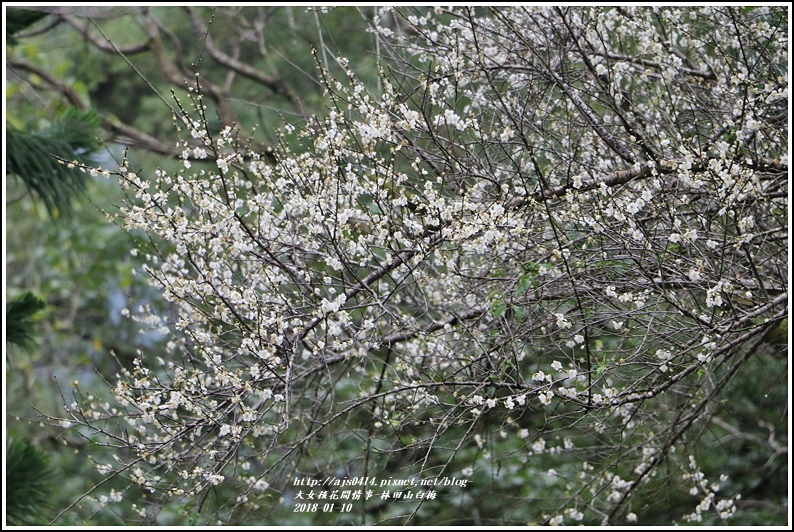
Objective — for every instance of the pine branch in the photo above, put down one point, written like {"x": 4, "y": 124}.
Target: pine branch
{"x": 20, "y": 315}
{"x": 29, "y": 483}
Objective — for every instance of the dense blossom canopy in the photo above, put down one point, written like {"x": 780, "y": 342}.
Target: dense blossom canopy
{"x": 568, "y": 223}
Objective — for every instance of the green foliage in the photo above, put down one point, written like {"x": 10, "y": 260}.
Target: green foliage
{"x": 33, "y": 158}
{"x": 20, "y": 315}
{"x": 19, "y": 19}
{"x": 29, "y": 483}
{"x": 85, "y": 270}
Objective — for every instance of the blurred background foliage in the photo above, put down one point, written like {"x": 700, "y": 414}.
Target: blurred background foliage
{"x": 60, "y": 246}
{"x": 58, "y": 242}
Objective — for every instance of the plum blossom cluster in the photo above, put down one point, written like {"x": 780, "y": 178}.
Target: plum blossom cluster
{"x": 547, "y": 215}
{"x": 724, "y": 507}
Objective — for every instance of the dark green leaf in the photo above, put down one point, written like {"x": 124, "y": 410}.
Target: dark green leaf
{"x": 524, "y": 283}
{"x": 517, "y": 311}
{"x": 31, "y": 157}
{"x": 19, "y": 19}
{"x": 20, "y": 315}
{"x": 28, "y": 483}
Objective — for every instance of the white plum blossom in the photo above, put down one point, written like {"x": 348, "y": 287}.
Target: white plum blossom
{"x": 546, "y": 397}
{"x": 562, "y": 322}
